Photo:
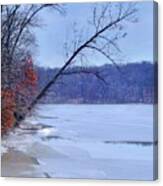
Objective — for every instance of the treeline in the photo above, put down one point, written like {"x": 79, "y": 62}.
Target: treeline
{"x": 129, "y": 83}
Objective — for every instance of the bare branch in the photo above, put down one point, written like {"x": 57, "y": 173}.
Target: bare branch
{"x": 110, "y": 41}
{"x": 109, "y": 58}
{"x": 86, "y": 71}
{"x": 27, "y": 19}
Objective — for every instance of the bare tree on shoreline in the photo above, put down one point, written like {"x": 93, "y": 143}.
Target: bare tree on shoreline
{"x": 108, "y": 22}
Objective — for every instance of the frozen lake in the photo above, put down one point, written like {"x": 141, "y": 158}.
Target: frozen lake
{"x": 88, "y": 141}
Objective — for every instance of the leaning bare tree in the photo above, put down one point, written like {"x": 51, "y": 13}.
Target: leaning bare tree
{"x": 107, "y": 27}
{"x": 108, "y": 23}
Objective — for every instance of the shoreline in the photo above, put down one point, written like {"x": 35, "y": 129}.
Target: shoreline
{"x": 15, "y": 163}
{"x": 55, "y": 144}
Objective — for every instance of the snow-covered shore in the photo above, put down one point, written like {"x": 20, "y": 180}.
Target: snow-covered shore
{"x": 82, "y": 141}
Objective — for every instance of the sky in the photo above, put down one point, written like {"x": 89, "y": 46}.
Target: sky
{"x": 58, "y": 29}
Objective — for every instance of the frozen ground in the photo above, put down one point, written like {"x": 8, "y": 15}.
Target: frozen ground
{"x": 83, "y": 141}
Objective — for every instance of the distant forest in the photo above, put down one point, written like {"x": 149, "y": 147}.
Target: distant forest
{"x": 129, "y": 83}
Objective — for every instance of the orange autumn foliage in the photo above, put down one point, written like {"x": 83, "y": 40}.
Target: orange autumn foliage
{"x": 30, "y": 74}
{"x": 25, "y": 88}
{"x": 29, "y": 80}
{"x": 8, "y": 108}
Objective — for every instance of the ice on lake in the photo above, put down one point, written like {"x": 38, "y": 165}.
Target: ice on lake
{"x": 91, "y": 141}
